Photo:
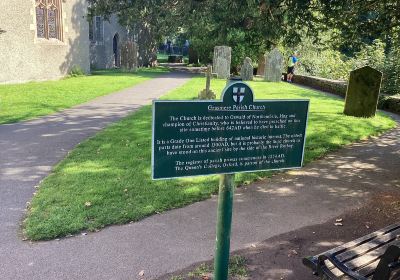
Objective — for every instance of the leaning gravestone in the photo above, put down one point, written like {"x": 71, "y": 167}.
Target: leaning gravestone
{"x": 246, "y": 72}
{"x": 261, "y": 65}
{"x": 129, "y": 56}
{"x": 222, "y": 62}
{"x": 273, "y": 66}
{"x": 363, "y": 92}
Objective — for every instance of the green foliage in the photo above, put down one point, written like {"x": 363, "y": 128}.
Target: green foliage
{"x": 359, "y": 22}
{"x": 326, "y": 64}
{"x": 76, "y": 71}
{"x": 371, "y": 54}
{"x": 201, "y": 270}
{"x": 237, "y": 270}
{"x": 249, "y": 27}
{"x": 112, "y": 169}
{"x": 331, "y": 64}
{"x": 391, "y": 77}
{"x": 150, "y": 20}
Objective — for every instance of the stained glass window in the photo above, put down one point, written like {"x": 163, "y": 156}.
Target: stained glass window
{"x": 52, "y": 22}
{"x": 40, "y": 22}
{"x": 48, "y": 19}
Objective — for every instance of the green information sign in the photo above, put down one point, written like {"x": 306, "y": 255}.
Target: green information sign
{"x": 236, "y": 134}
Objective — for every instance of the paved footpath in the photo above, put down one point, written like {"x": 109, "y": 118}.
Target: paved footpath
{"x": 175, "y": 239}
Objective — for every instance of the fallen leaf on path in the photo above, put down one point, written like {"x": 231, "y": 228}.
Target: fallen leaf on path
{"x": 292, "y": 253}
{"x": 141, "y": 273}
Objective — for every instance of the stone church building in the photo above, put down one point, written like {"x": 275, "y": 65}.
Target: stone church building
{"x": 45, "y": 39}
{"x": 105, "y": 39}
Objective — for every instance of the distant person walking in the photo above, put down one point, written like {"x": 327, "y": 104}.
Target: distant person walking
{"x": 293, "y": 61}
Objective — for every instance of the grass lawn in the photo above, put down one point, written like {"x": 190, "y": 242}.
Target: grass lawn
{"x": 107, "y": 179}
{"x": 26, "y": 101}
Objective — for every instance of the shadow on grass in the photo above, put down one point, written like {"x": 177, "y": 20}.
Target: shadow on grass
{"x": 35, "y": 99}
{"x": 43, "y": 107}
{"x": 141, "y": 72}
{"x": 124, "y": 191}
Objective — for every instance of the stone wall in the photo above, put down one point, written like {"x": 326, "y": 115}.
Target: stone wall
{"x": 386, "y": 102}
{"x": 24, "y": 57}
{"x": 390, "y": 103}
{"x": 333, "y": 86}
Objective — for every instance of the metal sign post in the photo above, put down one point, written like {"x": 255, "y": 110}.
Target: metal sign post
{"x": 224, "y": 222}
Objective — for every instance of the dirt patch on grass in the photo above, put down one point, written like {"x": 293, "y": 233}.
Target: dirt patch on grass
{"x": 280, "y": 257}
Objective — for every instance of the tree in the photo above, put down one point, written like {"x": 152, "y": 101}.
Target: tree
{"x": 360, "y": 22}
{"x": 149, "y": 19}
{"x": 249, "y": 27}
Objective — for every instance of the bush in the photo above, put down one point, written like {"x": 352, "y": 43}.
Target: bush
{"x": 318, "y": 60}
{"x": 331, "y": 64}
{"x": 76, "y": 71}
{"x": 391, "y": 70}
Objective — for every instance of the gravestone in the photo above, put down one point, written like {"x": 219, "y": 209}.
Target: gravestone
{"x": 222, "y": 62}
{"x": 129, "y": 56}
{"x": 246, "y": 72}
{"x": 261, "y": 65}
{"x": 207, "y": 93}
{"x": 193, "y": 56}
{"x": 363, "y": 92}
{"x": 273, "y": 66}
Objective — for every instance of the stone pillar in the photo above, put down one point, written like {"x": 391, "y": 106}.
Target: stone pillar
{"x": 261, "y": 65}
{"x": 273, "y": 66}
{"x": 246, "y": 72}
{"x": 222, "y": 62}
{"x": 363, "y": 92}
{"x": 129, "y": 56}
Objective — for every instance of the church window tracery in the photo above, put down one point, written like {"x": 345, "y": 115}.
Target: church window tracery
{"x": 48, "y": 19}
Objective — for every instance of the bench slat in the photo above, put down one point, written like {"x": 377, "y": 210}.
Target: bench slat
{"x": 361, "y": 255}
{"x": 369, "y": 246}
{"x": 369, "y": 257}
{"x": 361, "y": 240}
{"x": 368, "y": 271}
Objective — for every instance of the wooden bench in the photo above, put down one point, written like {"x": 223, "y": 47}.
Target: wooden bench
{"x": 372, "y": 257}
